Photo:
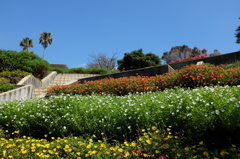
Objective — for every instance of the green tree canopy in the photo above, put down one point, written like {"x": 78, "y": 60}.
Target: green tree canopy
{"x": 45, "y": 39}
{"x": 137, "y": 59}
{"x": 26, "y": 43}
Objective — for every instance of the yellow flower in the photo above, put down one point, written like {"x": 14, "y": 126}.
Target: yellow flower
{"x": 178, "y": 155}
{"x": 120, "y": 150}
{"x": 4, "y": 153}
{"x": 168, "y": 129}
{"x": 149, "y": 142}
{"x": 154, "y": 127}
{"x": 157, "y": 151}
{"x": 140, "y": 139}
{"x": 165, "y": 146}
{"x": 223, "y": 153}
{"x": 201, "y": 142}
{"x": 78, "y": 153}
{"x": 89, "y": 146}
{"x": 146, "y": 136}
{"x": 205, "y": 153}
{"x": 90, "y": 140}
{"x": 145, "y": 155}
{"x": 194, "y": 157}
{"x": 126, "y": 154}
{"x": 103, "y": 145}
{"x": 133, "y": 144}
{"x": 186, "y": 148}
{"x": 143, "y": 130}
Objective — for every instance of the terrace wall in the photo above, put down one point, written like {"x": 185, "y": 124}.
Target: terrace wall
{"x": 26, "y": 88}
{"x": 158, "y": 70}
{"x": 22, "y": 93}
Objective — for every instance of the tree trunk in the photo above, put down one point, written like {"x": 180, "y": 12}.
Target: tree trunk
{"x": 44, "y": 53}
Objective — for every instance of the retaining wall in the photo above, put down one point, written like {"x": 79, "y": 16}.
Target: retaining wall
{"x": 27, "y": 86}
{"x": 22, "y": 93}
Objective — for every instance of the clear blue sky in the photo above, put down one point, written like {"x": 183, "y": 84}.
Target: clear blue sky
{"x": 84, "y": 27}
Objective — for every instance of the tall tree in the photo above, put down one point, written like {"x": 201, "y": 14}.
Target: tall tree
{"x": 137, "y": 59}
{"x": 45, "y": 39}
{"x": 237, "y": 35}
{"x": 102, "y": 61}
{"x": 181, "y": 52}
{"x": 26, "y": 43}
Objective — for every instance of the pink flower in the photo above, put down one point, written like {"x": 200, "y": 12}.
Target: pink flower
{"x": 164, "y": 139}
{"x": 161, "y": 157}
{"x": 176, "y": 133}
{"x": 150, "y": 154}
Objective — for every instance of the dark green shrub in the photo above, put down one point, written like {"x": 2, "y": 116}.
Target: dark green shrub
{"x": 24, "y": 60}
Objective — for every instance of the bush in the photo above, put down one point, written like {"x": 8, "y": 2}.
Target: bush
{"x": 80, "y": 70}
{"x": 15, "y": 73}
{"x": 5, "y": 85}
{"x": 25, "y": 61}
{"x": 96, "y": 71}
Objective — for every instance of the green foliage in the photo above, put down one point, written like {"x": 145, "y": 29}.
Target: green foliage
{"x": 231, "y": 65}
{"x": 5, "y": 85}
{"x": 120, "y": 117}
{"x": 15, "y": 73}
{"x": 45, "y": 39}
{"x": 137, "y": 59}
{"x": 96, "y": 71}
{"x": 80, "y": 70}
{"x": 26, "y": 43}
{"x": 25, "y": 61}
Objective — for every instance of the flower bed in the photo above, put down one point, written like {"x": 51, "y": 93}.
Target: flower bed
{"x": 192, "y": 76}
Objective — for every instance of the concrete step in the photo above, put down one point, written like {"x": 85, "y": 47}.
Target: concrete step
{"x": 60, "y": 79}
{"x": 39, "y": 91}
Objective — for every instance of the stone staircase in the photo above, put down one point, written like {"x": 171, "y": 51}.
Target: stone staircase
{"x": 60, "y": 79}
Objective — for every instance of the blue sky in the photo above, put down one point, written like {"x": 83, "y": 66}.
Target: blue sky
{"x": 84, "y": 27}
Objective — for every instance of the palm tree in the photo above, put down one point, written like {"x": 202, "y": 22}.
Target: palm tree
{"x": 45, "y": 39}
{"x": 26, "y": 43}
